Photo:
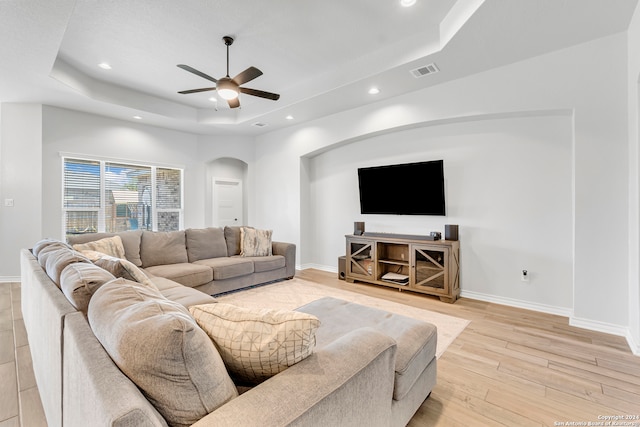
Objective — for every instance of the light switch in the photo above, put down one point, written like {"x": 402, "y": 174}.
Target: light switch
{"x": 8, "y": 202}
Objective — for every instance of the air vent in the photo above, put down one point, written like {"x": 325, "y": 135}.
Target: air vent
{"x": 259, "y": 124}
{"x": 424, "y": 70}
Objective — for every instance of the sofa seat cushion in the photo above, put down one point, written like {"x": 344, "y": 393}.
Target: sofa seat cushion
{"x": 158, "y": 345}
{"x": 416, "y": 339}
{"x": 181, "y": 294}
{"x": 187, "y": 274}
{"x": 267, "y": 263}
{"x": 163, "y": 247}
{"x": 228, "y": 267}
{"x": 205, "y": 243}
{"x": 256, "y": 344}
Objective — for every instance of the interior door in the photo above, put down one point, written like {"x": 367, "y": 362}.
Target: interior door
{"x": 227, "y": 202}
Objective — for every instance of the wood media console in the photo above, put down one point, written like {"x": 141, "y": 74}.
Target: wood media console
{"x": 406, "y": 262}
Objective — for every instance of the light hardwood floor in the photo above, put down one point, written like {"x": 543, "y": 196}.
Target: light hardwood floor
{"x": 517, "y": 367}
{"x": 509, "y": 367}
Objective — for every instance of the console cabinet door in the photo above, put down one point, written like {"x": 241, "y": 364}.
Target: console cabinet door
{"x": 429, "y": 269}
{"x": 361, "y": 259}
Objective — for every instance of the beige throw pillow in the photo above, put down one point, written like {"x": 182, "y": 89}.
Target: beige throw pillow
{"x": 158, "y": 345}
{"x": 255, "y": 242}
{"x": 257, "y": 344}
{"x": 109, "y": 246}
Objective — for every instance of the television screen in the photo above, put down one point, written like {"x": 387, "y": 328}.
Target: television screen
{"x": 406, "y": 189}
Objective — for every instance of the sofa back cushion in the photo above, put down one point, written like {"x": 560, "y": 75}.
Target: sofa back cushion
{"x": 205, "y": 243}
{"x": 158, "y": 345}
{"x": 232, "y": 236}
{"x": 163, "y": 247}
{"x": 130, "y": 241}
{"x": 79, "y": 281}
{"x": 57, "y": 260}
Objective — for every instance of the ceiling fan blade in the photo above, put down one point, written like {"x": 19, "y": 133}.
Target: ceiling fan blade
{"x": 196, "y": 72}
{"x": 260, "y": 93}
{"x": 204, "y": 89}
{"x": 247, "y": 75}
{"x": 234, "y": 103}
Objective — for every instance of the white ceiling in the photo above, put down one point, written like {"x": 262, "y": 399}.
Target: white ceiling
{"x": 322, "y": 57}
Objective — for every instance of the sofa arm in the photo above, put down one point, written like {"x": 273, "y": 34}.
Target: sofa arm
{"x": 347, "y": 383}
{"x": 288, "y": 250}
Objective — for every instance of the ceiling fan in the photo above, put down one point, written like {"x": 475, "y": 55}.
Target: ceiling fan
{"x": 229, "y": 88}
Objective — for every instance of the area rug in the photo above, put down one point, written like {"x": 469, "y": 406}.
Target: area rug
{"x": 291, "y": 294}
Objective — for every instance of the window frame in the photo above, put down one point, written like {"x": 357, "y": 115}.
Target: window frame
{"x": 101, "y": 210}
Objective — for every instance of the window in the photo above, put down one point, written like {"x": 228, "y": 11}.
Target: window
{"x": 103, "y": 196}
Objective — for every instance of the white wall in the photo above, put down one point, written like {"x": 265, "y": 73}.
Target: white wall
{"x": 595, "y": 91}
{"x": 507, "y": 182}
{"x": 633, "y": 79}
{"x": 20, "y": 180}
{"x": 66, "y": 131}
{"x": 228, "y": 157}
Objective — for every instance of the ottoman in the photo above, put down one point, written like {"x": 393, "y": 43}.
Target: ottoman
{"x": 415, "y": 367}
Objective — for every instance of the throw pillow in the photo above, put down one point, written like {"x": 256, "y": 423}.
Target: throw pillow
{"x": 158, "y": 345}
{"x": 79, "y": 281}
{"x": 119, "y": 267}
{"x": 257, "y": 344}
{"x": 109, "y": 245}
{"x": 255, "y": 242}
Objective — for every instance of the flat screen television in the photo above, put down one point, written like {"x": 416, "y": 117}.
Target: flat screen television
{"x": 405, "y": 189}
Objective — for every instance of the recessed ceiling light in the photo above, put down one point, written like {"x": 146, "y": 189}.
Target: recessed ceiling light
{"x": 407, "y": 3}
{"x": 289, "y": 117}
{"x": 137, "y": 117}
{"x": 213, "y": 99}
{"x": 104, "y": 66}
{"x": 374, "y": 91}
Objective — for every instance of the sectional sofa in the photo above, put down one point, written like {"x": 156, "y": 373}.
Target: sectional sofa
{"x": 369, "y": 367}
{"x": 206, "y": 259}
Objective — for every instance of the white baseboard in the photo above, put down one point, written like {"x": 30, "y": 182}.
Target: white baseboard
{"x": 327, "y": 268}
{"x": 607, "y": 328}
{"x": 634, "y": 345}
{"x": 4, "y": 279}
{"x": 543, "y": 308}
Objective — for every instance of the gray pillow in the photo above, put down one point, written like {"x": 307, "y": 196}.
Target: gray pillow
{"x": 57, "y": 260}
{"x": 44, "y": 243}
{"x": 44, "y": 252}
{"x": 158, "y": 345}
{"x": 163, "y": 247}
{"x": 205, "y": 243}
{"x": 79, "y": 281}
{"x": 232, "y": 236}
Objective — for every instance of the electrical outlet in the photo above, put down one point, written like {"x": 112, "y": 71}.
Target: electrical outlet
{"x": 525, "y": 276}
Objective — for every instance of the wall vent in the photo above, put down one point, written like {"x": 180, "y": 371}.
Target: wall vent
{"x": 259, "y": 124}
{"x": 424, "y": 70}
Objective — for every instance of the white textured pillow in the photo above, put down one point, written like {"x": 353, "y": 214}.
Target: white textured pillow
{"x": 109, "y": 245}
{"x": 254, "y": 242}
{"x": 257, "y": 344}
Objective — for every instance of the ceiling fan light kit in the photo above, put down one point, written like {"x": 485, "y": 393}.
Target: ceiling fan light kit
{"x": 229, "y": 88}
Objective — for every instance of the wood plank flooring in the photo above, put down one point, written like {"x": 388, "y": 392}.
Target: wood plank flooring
{"x": 515, "y": 367}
